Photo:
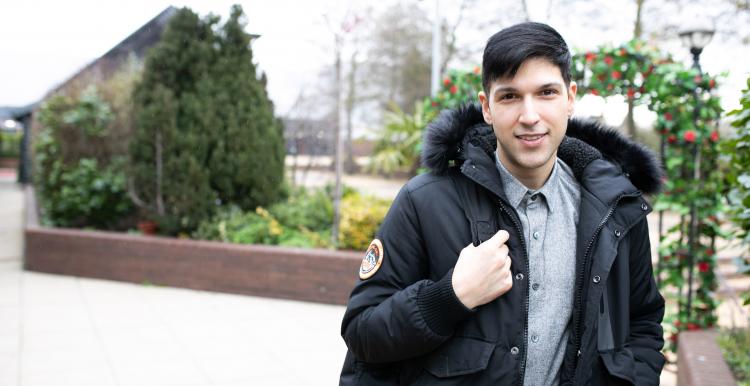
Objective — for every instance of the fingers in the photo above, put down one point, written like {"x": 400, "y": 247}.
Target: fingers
{"x": 498, "y": 238}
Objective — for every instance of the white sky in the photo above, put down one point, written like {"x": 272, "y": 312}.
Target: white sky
{"x": 44, "y": 42}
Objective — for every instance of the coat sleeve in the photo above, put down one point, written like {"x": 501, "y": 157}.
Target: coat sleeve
{"x": 398, "y": 313}
{"x": 646, "y": 311}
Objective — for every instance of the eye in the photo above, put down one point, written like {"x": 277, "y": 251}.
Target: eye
{"x": 507, "y": 97}
{"x": 548, "y": 92}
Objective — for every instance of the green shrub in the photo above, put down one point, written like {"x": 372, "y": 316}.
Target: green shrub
{"x": 303, "y": 220}
{"x": 75, "y": 189}
{"x": 311, "y": 209}
{"x": 205, "y": 130}
{"x": 735, "y": 345}
{"x": 10, "y": 144}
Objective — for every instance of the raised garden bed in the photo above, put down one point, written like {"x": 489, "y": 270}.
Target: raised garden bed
{"x": 700, "y": 361}
{"x": 317, "y": 275}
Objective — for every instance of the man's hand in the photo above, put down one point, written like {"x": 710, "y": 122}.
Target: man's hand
{"x": 482, "y": 274}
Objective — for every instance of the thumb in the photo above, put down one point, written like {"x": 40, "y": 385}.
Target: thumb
{"x": 498, "y": 238}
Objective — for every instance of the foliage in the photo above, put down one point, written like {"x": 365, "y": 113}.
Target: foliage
{"x": 78, "y": 191}
{"x": 10, "y": 144}
{"x": 458, "y": 87}
{"x": 738, "y": 175}
{"x": 205, "y": 130}
{"x": 616, "y": 70}
{"x": 399, "y": 145}
{"x": 302, "y": 220}
{"x": 361, "y": 217}
{"x": 735, "y": 344}
{"x": 311, "y": 209}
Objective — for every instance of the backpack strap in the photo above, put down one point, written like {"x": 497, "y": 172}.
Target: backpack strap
{"x": 477, "y": 207}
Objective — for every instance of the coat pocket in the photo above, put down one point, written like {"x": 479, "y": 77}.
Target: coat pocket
{"x": 459, "y": 356}
{"x": 619, "y": 363}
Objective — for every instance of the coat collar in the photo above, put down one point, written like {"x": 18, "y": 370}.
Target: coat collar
{"x": 457, "y": 134}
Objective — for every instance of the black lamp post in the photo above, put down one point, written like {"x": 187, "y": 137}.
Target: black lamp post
{"x": 696, "y": 33}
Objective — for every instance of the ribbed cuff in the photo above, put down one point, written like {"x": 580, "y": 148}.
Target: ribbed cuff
{"x": 440, "y": 307}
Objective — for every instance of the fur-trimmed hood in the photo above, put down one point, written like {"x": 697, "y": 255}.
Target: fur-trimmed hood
{"x": 586, "y": 140}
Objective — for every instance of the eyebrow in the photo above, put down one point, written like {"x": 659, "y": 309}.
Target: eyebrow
{"x": 512, "y": 89}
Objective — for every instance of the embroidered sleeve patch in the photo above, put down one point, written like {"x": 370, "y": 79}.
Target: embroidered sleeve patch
{"x": 372, "y": 260}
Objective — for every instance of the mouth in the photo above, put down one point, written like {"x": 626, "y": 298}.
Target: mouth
{"x": 531, "y": 139}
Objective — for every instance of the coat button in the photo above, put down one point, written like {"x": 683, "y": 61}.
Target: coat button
{"x": 514, "y": 350}
{"x": 519, "y": 276}
{"x": 597, "y": 279}
{"x": 535, "y": 338}
{"x": 536, "y": 235}
{"x": 644, "y": 206}
{"x": 618, "y": 233}
{"x": 535, "y": 286}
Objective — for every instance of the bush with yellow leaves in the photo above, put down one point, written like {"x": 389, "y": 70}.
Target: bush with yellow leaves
{"x": 360, "y": 218}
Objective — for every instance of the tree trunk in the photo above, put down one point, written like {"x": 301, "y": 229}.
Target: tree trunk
{"x": 349, "y": 165}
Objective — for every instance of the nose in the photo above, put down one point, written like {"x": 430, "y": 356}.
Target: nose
{"x": 529, "y": 115}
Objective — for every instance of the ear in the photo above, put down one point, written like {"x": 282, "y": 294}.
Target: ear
{"x": 485, "y": 108}
{"x": 572, "y": 89}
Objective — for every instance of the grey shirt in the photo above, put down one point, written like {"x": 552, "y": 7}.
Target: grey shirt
{"x": 549, "y": 217}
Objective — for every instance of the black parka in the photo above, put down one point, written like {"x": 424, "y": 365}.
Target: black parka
{"x": 404, "y": 325}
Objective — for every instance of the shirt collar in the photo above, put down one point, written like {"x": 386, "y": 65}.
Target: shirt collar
{"x": 516, "y": 192}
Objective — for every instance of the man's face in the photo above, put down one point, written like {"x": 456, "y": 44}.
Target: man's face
{"x": 529, "y": 114}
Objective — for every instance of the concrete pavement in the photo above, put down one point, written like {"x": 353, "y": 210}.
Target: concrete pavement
{"x": 60, "y": 330}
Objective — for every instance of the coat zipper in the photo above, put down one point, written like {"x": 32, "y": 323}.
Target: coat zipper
{"x": 519, "y": 232}
{"x": 582, "y": 276}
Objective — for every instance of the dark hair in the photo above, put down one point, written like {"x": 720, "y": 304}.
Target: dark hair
{"x": 508, "y": 49}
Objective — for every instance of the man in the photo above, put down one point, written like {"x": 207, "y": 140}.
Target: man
{"x": 523, "y": 257}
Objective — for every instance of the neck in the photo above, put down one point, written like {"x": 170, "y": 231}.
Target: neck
{"x": 534, "y": 178}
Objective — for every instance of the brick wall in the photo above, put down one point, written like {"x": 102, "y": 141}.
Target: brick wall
{"x": 317, "y": 275}
{"x": 290, "y": 273}
{"x": 700, "y": 362}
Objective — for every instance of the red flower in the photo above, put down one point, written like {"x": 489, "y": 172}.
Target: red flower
{"x": 610, "y": 87}
{"x": 697, "y": 79}
{"x": 689, "y": 136}
{"x": 677, "y": 323}
{"x": 693, "y": 327}
{"x": 434, "y": 104}
{"x": 710, "y": 252}
{"x": 623, "y": 52}
{"x": 616, "y": 74}
{"x": 609, "y": 60}
{"x": 715, "y": 136}
{"x": 673, "y": 338}
{"x": 590, "y": 56}
{"x": 631, "y": 93}
{"x": 447, "y": 81}
{"x": 668, "y": 116}
{"x": 477, "y": 70}
{"x": 666, "y": 257}
{"x": 454, "y": 89}
{"x": 601, "y": 77}
{"x": 594, "y": 92}
{"x": 672, "y": 139}
{"x": 703, "y": 266}
{"x": 711, "y": 83}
